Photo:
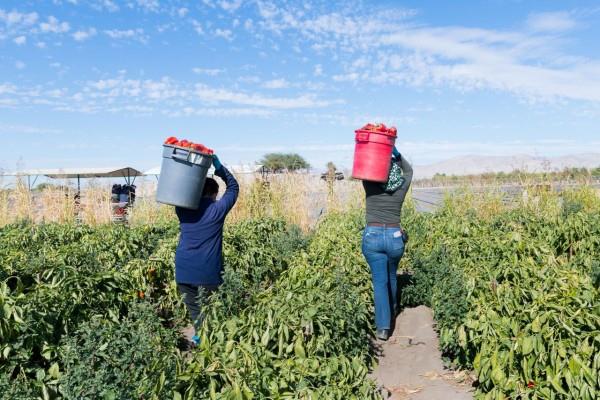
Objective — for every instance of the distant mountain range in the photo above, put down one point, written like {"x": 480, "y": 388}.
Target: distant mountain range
{"x": 478, "y": 164}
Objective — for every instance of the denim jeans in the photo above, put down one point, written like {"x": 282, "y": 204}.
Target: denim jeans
{"x": 383, "y": 248}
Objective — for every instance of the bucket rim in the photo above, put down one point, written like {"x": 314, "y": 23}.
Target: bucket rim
{"x": 387, "y": 133}
{"x": 187, "y": 149}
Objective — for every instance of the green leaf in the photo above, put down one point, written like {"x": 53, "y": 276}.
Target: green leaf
{"x": 527, "y": 345}
{"x": 54, "y": 371}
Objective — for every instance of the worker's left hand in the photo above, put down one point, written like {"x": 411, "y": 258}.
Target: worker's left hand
{"x": 216, "y": 162}
{"x": 395, "y": 152}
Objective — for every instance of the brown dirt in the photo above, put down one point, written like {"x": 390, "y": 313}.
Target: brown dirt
{"x": 410, "y": 366}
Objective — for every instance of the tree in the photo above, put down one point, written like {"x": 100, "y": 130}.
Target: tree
{"x": 279, "y": 162}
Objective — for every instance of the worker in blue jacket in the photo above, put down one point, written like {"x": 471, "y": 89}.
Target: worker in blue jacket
{"x": 199, "y": 259}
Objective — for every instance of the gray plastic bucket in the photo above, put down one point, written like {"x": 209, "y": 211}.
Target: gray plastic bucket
{"x": 182, "y": 177}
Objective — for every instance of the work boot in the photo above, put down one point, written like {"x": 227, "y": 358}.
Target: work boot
{"x": 383, "y": 334}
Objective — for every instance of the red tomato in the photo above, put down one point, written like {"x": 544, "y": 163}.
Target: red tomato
{"x": 184, "y": 143}
{"x": 171, "y": 140}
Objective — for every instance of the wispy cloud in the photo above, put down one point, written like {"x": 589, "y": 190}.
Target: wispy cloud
{"x": 83, "y": 35}
{"x": 147, "y": 5}
{"x": 108, "y": 5}
{"x": 53, "y": 25}
{"x": 276, "y": 84}
{"x": 16, "y": 18}
{"x": 165, "y": 95}
{"x": 529, "y": 63}
{"x": 208, "y": 71}
{"x": 226, "y": 34}
{"x": 131, "y": 34}
{"x": 230, "y": 5}
{"x": 26, "y": 129}
{"x": 551, "y": 22}
{"x": 212, "y": 95}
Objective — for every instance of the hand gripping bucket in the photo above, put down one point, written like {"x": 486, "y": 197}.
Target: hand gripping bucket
{"x": 182, "y": 176}
{"x": 372, "y": 154}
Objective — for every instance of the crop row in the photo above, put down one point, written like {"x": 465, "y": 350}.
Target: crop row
{"x": 94, "y": 312}
{"x": 515, "y": 294}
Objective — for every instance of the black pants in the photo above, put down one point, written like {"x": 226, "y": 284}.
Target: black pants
{"x": 193, "y": 295}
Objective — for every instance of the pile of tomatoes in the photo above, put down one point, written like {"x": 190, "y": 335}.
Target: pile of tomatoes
{"x": 380, "y": 128}
{"x": 200, "y": 148}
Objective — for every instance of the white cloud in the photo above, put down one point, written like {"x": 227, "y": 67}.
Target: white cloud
{"x": 220, "y": 112}
{"x": 19, "y": 65}
{"x": 7, "y": 88}
{"x": 15, "y": 18}
{"x": 224, "y": 33}
{"x": 212, "y": 95}
{"x": 20, "y": 40}
{"x": 41, "y": 45}
{"x": 230, "y": 5}
{"x": 318, "y": 70}
{"x": 208, "y": 71}
{"x": 276, "y": 84}
{"x": 182, "y": 12}
{"x": 53, "y": 25}
{"x": 148, "y": 5}
{"x": 551, "y": 22}
{"x": 198, "y": 27}
{"x": 80, "y": 36}
{"x": 26, "y": 129}
{"x": 529, "y": 63}
{"x": 108, "y": 5}
{"x": 165, "y": 95}
{"x": 351, "y": 77}
{"x": 133, "y": 34}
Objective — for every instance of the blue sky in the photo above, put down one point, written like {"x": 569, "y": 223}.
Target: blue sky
{"x": 103, "y": 82}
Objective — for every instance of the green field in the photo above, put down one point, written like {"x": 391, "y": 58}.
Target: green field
{"x": 93, "y": 312}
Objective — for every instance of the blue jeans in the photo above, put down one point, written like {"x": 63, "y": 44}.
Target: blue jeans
{"x": 383, "y": 248}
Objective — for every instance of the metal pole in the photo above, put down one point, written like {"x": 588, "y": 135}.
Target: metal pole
{"x": 78, "y": 185}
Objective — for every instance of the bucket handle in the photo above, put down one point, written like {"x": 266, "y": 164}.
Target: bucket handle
{"x": 181, "y": 157}
{"x": 362, "y": 136}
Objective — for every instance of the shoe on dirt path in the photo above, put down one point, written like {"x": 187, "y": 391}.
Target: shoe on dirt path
{"x": 383, "y": 334}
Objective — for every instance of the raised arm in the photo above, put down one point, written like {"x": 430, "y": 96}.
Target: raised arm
{"x": 226, "y": 203}
{"x": 407, "y": 171}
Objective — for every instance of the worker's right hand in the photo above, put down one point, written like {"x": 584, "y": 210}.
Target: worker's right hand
{"x": 216, "y": 162}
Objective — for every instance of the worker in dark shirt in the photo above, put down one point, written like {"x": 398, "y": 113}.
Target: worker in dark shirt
{"x": 383, "y": 243}
{"x": 198, "y": 259}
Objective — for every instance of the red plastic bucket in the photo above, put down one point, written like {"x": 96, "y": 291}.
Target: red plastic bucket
{"x": 372, "y": 154}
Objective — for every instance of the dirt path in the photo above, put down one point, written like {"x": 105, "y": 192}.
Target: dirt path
{"x": 410, "y": 367}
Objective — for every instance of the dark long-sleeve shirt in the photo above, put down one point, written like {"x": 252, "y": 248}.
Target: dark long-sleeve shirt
{"x": 198, "y": 259}
{"x": 384, "y": 207}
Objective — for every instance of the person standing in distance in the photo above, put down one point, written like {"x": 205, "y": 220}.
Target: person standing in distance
{"x": 199, "y": 254}
{"x": 383, "y": 240}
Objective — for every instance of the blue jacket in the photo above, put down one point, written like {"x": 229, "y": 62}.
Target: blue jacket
{"x": 199, "y": 259}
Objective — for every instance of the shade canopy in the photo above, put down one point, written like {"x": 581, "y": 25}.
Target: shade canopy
{"x": 68, "y": 173}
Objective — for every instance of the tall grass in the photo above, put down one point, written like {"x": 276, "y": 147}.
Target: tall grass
{"x": 298, "y": 198}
